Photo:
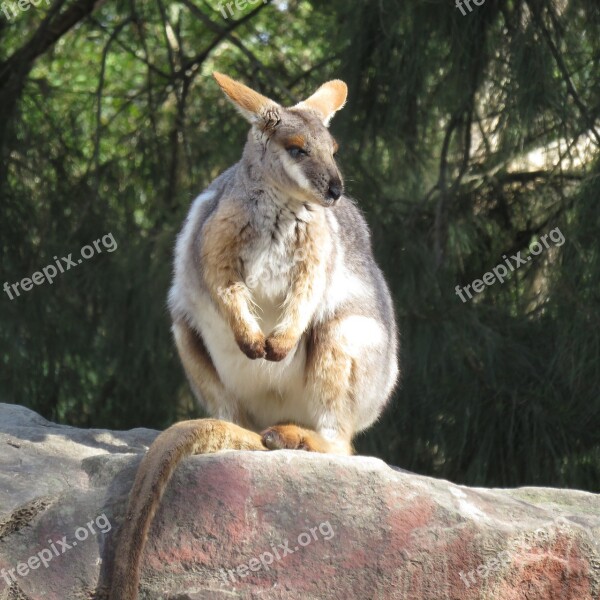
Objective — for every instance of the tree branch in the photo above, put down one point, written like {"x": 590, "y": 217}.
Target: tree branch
{"x": 564, "y": 71}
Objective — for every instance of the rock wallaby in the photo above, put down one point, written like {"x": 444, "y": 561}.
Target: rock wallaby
{"x": 282, "y": 319}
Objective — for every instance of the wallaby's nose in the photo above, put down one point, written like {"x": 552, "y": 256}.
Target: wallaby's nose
{"x": 335, "y": 190}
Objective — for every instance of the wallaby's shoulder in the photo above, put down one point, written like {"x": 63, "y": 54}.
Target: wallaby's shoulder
{"x": 351, "y": 219}
{"x": 189, "y": 240}
{"x": 207, "y": 204}
{"x": 351, "y": 229}
{"x": 210, "y": 198}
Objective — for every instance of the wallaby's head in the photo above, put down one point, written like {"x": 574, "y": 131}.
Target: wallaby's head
{"x": 292, "y": 146}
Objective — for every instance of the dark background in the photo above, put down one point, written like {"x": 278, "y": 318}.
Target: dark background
{"x": 465, "y": 138}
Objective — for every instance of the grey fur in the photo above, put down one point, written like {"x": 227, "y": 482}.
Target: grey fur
{"x": 279, "y": 197}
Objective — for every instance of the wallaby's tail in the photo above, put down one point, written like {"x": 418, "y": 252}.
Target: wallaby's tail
{"x": 183, "y": 439}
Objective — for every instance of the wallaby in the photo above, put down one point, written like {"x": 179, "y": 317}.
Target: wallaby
{"x": 282, "y": 319}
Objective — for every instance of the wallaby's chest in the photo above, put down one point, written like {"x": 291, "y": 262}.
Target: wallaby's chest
{"x": 268, "y": 258}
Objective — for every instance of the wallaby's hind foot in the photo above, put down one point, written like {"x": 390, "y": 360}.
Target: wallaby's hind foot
{"x": 292, "y": 437}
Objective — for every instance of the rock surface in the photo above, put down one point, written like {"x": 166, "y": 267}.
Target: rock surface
{"x": 283, "y": 524}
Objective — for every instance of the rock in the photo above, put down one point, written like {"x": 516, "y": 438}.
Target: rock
{"x": 284, "y": 524}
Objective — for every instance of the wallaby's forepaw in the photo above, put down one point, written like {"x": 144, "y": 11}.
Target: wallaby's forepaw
{"x": 277, "y": 347}
{"x": 253, "y": 347}
{"x": 291, "y": 437}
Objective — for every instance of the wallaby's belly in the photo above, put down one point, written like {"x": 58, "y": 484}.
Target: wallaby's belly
{"x": 269, "y": 391}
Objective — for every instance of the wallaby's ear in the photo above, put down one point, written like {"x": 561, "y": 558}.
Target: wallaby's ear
{"x": 254, "y": 107}
{"x": 327, "y": 100}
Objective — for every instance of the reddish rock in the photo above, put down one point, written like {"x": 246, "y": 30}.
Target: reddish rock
{"x": 280, "y": 525}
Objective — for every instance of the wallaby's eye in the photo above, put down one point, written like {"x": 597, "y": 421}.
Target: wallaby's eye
{"x": 296, "y": 151}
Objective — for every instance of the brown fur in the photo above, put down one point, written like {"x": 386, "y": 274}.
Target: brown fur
{"x": 327, "y": 100}
{"x": 292, "y": 437}
{"x": 219, "y": 253}
{"x": 295, "y": 140}
{"x": 241, "y": 95}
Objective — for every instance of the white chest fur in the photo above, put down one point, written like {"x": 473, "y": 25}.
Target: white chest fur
{"x": 268, "y": 261}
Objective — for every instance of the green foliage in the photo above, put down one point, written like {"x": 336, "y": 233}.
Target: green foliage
{"x": 465, "y": 138}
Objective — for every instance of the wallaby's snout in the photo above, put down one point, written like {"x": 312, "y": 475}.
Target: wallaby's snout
{"x": 336, "y": 189}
